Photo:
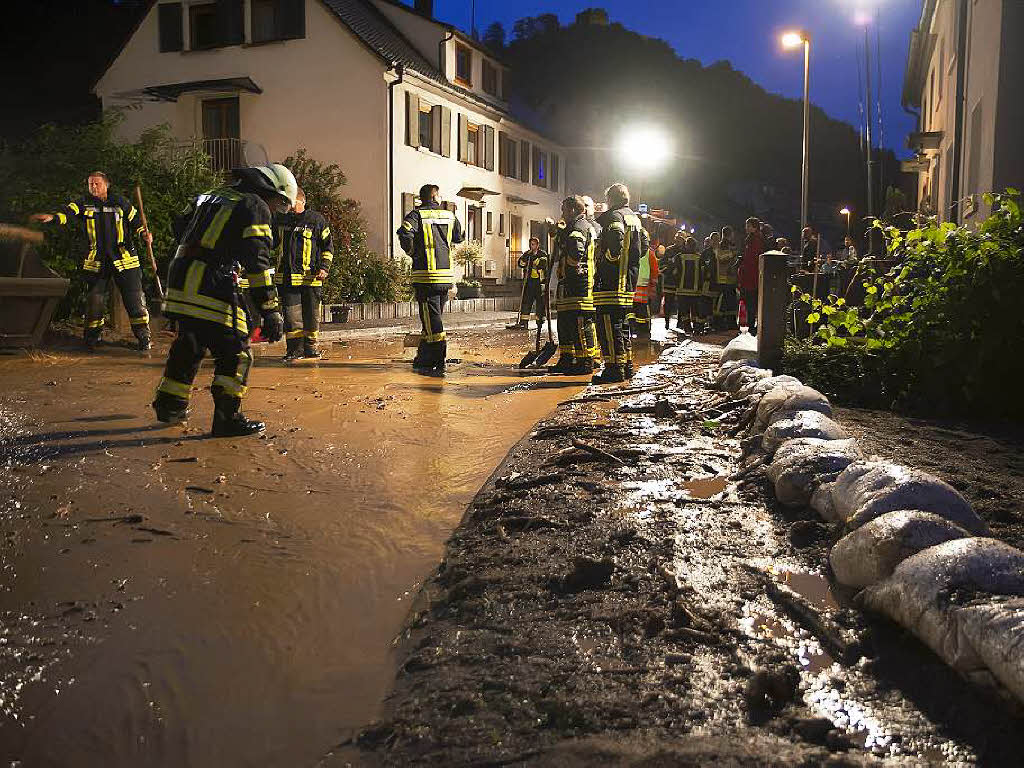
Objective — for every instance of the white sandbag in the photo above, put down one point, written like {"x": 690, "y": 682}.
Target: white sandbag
{"x": 730, "y": 367}
{"x": 761, "y": 387}
{"x": 741, "y": 377}
{"x": 868, "y": 489}
{"x": 801, "y": 465}
{"x": 744, "y": 346}
{"x": 788, "y": 398}
{"x": 995, "y": 629}
{"x": 800, "y": 424}
{"x": 927, "y": 592}
{"x": 869, "y": 554}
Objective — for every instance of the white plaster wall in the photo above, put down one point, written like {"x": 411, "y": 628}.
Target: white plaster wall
{"x": 326, "y": 93}
{"x": 982, "y": 86}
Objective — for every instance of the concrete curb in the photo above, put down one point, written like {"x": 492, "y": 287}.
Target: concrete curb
{"x": 888, "y": 514}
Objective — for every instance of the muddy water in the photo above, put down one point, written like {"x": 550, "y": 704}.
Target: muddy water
{"x": 170, "y": 599}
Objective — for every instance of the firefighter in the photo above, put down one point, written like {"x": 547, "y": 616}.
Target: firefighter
{"x": 110, "y": 220}
{"x": 708, "y": 293}
{"x": 689, "y": 288}
{"x": 305, "y": 250}
{"x": 623, "y": 240}
{"x": 228, "y": 226}
{"x": 725, "y": 280}
{"x": 646, "y": 282}
{"x": 427, "y": 235}
{"x": 574, "y": 299}
{"x": 534, "y": 264}
{"x": 669, "y": 267}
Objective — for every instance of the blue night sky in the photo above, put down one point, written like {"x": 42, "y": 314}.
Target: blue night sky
{"x": 746, "y": 33}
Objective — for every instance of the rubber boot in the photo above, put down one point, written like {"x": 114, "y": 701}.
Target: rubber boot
{"x": 170, "y": 409}
{"x": 583, "y": 366}
{"x": 309, "y": 351}
{"x": 91, "y": 338}
{"x": 628, "y": 370}
{"x": 145, "y": 344}
{"x": 563, "y": 364}
{"x": 293, "y": 350}
{"x": 228, "y": 420}
{"x": 612, "y": 374}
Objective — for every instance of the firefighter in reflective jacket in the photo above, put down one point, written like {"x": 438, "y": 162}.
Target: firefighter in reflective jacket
{"x": 305, "y": 249}
{"x": 427, "y": 235}
{"x": 227, "y": 227}
{"x": 646, "y": 287}
{"x": 110, "y": 220}
{"x": 623, "y": 241}
{"x": 534, "y": 264}
{"x": 690, "y": 286}
{"x": 574, "y": 298}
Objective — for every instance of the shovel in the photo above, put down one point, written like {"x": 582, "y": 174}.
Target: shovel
{"x": 550, "y": 348}
{"x": 530, "y": 358}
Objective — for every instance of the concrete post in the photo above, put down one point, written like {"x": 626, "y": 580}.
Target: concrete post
{"x": 773, "y": 298}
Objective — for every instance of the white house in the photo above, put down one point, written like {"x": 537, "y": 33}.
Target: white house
{"x": 394, "y": 97}
{"x": 965, "y": 77}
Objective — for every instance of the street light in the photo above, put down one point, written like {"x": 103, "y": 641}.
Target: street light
{"x": 644, "y": 149}
{"x": 846, "y": 212}
{"x": 792, "y": 40}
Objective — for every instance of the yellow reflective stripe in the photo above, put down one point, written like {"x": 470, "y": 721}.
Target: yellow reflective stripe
{"x": 440, "y": 213}
{"x": 576, "y": 233}
{"x": 230, "y": 385}
{"x": 427, "y": 276}
{"x": 94, "y": 323}
{"x": 260, "y": 279}
{"x": 627, "y": 241}
{"x": 257, "y": 230}
{"x": 132, "y": 213}
{"x": 140, "y": 320}
{"x": 293, "y": 334}
{"x": 61, "y": 218}
{"x": 119, "y": 225}
{"x": 176, "y": 388}
{"x": 616, "y": 226}
{"x": 270, "y": 304}
{"x": 200, "y": 313}
{"x": 74, "y": 208}
{"x": 326, "y": 233}
{"x": 428, "y": 245}
{"x": 213, "y": 232}
{"x": 90, "y": 230}
{"x": 313, "y": 335}
{"x": 327, "y": 256}
{"x": 194, "y": 278}
{"x": 307, "y": 249}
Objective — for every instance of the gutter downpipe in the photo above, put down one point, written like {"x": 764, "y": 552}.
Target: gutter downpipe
{"x": 440, "y": 51}
{"x": 958, "y": 130}
{"x": 400, "y": 69}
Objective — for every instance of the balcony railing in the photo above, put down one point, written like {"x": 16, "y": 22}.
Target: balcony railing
{"x": 225, "y": 154}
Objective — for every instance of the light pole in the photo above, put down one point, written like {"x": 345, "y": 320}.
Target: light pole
{"x": 792, "y": 40}
{"x": 846, "y": 212}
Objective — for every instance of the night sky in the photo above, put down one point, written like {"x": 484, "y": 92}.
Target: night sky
{"x": 746, "y": 33}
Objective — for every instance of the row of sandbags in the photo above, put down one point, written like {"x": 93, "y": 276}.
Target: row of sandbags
{"x": 911, "y": 544}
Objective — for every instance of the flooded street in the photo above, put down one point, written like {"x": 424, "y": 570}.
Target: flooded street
{"x": 174, "y": 600}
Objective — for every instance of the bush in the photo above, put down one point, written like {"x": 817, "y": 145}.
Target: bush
{"x": 467, "y": 255}
{"x": 50, "y": 168}
{"x": 941, "y": 332}
{"x": 358, "y": 274}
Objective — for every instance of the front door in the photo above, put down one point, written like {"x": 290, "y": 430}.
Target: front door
{"x": 222, "y": 133}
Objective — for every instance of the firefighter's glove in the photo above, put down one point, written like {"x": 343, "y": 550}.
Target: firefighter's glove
{"x": 273, "y": 326}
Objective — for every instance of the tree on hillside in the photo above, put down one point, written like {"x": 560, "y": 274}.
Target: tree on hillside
{"x": 494, "y": 37}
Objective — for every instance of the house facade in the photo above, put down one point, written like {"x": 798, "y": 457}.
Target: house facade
{"x": 964, "y": 79}
{"x": 391, "y": 95}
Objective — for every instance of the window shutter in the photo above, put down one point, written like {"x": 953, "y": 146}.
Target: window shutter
{"x": 489, "y": 147}
{"x": 408, "y": 203}
{"x": 231, "y": 18}
{"x": 463, "y": 138}
{"x": 446, "y": 132}
{"x": 412, "y": 119}
{"x": 553, "y": 172}
{"x": 293, "y": 19}
{"x": 172, "y": 31}
{"x": 525, "y": 161}
{"x": 502, "y": 162}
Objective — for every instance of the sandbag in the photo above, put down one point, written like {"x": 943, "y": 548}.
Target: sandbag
{"x": 744, "y": 346}
{"x": 927, "y": 593}
{"x": 871, "y": 553}
{"x": 800, "y": 424}
{"x": 727, "y": 369}
{"x": 801, "y": 465}
{"x": 995, "y": 629}
{"x": 789, "y": 398}
{"x": 867, "y": 489}
{"x": 761, "y": 387}
{"x": 742, "y": 376}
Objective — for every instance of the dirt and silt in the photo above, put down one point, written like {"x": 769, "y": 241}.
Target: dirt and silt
{"x": 174, "y": 600}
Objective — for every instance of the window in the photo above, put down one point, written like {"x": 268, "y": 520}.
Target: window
{"x": 931, "y": 89}
{"x": 540, "y": 168}
{"x": 473, "y": 144}
{"x": 463, "y": 65}
{"x": 171, "y": 23}
{"x": 490, "y": 78}
{"x": 554, "y": 172}
{"x": 508, "y": 155}
{"x": 942, "y": 67}
{"x": 473, "y": 223}
{"x": 490, "y": 222}
{"x": 222, "y": 134}
{"x": 501, "y": 224}
{"x": 524, "y": 161}
{"x": 278, "y": 20}
{"x": 212, "y": 25}
{"x": 426, "y": 126}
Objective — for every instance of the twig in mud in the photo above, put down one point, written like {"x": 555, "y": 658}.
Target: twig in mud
{"x": 130, "y": 519}
{"x": 822, "y": 628}
{"x": 693, "y": 635}
{"x": 611, "y": 394}
{"x": 599, "y": 452}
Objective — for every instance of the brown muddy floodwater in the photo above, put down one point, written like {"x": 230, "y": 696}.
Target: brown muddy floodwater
{"x": 174, "y": 600}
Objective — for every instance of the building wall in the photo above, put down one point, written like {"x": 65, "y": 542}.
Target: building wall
{"x": 981, "y": 100}
{"x": 1009, "y": 155}
{"x": 415, "y": 166}
{"x": 325, "y": 92}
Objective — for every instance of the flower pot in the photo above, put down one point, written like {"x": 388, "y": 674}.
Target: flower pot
{"x": 339, "y": 314}
{"x": 469, "y": 291}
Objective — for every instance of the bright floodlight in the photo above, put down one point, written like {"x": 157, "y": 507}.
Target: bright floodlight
{"x": 644, "y": 148}
{"x": 793, "y": 39}
{"x": 844, "y": 212}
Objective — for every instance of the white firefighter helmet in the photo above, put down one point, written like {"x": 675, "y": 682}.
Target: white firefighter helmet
{"x": 281, "y": 179}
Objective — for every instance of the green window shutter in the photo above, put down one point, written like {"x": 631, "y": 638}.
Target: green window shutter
{"x": 172, "y": 28}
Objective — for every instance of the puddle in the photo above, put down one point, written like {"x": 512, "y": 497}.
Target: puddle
{"x": 705, "y": 488}
{"x": 813, "y": 587}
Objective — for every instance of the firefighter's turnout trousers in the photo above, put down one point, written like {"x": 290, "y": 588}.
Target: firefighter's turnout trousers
{"x": 533, "y": 301}
{"x": 129, "y": 284}
{"x": 574, "y": 298}
{"x": 301, "y": 306}
{"x": 427, "y": 234}
{"x": 623, "y": 241}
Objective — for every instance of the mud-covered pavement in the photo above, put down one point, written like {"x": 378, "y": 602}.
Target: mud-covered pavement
{"x": 614, "y": 597}
{"x": 170, "y": 599}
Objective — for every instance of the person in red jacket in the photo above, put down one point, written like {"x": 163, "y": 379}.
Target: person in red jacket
{"x": 747, "y": 273}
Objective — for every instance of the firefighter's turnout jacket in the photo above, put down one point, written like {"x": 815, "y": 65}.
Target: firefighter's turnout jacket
{"x": 304, "y": 246}
{"x": 623, "y": 241}
{"x": 535, "y": 265}
{"x": 427, "y": 235}
{"x": 575, "y": 246}
{"x": 222, "y": 230}
{"x": 691, "y": 278}
{"x": 108, "y": 225}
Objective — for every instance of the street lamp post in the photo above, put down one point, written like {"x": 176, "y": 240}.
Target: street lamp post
{"x": 846, "y": 212}
{"x": 792, "y": 40}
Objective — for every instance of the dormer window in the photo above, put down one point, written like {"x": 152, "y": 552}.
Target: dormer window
{"x": 490, "y": 78}
{"x": 463, "y": 65}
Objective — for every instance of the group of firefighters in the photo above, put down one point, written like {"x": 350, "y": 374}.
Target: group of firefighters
{"x": 251, "y": 255}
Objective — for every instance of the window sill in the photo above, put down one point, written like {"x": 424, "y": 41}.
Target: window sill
{"x": 260, "y": 43}
{"x": 463, "y": 83}
{"x": 209, "y": 48}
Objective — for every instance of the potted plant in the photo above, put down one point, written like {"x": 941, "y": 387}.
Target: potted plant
{"x": 339, "y": 313}
{"x": 467, "y": 256}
